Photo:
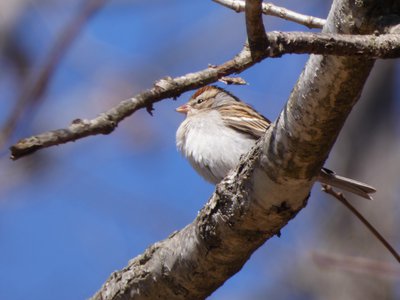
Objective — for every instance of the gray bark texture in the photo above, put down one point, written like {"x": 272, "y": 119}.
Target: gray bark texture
{"x": 271, "y": 184}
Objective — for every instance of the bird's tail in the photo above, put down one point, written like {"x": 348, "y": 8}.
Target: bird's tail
{"x": 329, "y": 177}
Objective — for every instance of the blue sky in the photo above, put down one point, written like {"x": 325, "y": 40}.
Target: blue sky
{"x": 71, "y": 215}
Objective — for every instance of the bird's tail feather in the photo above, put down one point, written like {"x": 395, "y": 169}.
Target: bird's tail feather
{"x": 327, "y": 176}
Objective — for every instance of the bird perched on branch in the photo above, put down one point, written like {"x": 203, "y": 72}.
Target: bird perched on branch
{"x": 219, "y": 128}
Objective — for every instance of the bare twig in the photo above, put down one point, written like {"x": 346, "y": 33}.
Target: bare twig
{"x": 36, "y": 85}
{"x": 276, "y": 11}
{"x": 339, "y": 196}
{"x": 255, "y": 29}
{"x": 372, "y": 46}
{"x": 233, "y": 80}
{"x": 356, "y": 264}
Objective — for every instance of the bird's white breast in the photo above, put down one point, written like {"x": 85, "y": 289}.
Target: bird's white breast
{"x": 212, "y": 148}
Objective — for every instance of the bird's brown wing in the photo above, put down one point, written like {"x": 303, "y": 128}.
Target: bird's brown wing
{"x": 245, "y": 119}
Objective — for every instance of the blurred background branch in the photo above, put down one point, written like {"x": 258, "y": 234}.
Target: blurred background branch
{"x": 356, "y": 264}
{"x": 31, "y": 93}
{"x": 339, "y": 196}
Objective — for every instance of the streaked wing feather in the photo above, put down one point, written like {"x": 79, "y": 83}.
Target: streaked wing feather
{"x": 245, "y": 119}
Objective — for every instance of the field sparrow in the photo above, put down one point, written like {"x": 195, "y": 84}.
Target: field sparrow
{"x": 219, "y": 128}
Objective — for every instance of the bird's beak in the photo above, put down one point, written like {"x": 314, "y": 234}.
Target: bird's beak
{"x": 183, "y": 109}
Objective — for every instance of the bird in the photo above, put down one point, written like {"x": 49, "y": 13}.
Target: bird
{"x": 219, "y": 128}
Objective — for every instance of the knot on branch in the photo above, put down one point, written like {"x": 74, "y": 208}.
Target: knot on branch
{"x": 276, "y": 45}
{"x": 104, "y": 124}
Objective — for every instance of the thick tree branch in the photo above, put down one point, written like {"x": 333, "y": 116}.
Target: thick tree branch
{"x": 373, "y": 46}
{"x": 267, "y": 189}
{"x": 276, "y": 11}
{"x": 256, "y": 35}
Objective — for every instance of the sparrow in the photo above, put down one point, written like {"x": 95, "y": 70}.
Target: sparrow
{"x": 219, "y": 128}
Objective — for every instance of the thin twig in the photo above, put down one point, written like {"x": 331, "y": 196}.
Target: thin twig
{"x": 277, "y": 11}
{"x": 368, "y": 46}
{"x": 36, "y": 85}
{"x": 339, "y": 196}
{"x": 233, "y": 80}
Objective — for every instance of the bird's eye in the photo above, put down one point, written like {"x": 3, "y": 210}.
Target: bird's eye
{"x": 199, "y": 101}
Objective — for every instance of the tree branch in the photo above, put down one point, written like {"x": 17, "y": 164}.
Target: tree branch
{"x": 369, "y": 46}
{"x": 373, "y": 46}
{"x": 276, "y": 11}
{"x": 256, "y": 35}
{"x": 267, "y": 189}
